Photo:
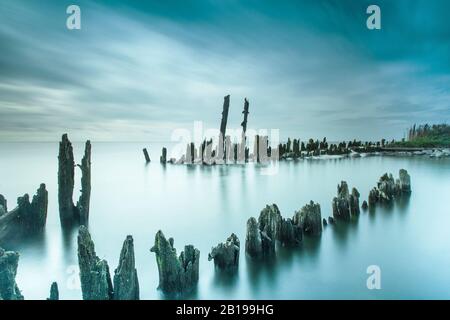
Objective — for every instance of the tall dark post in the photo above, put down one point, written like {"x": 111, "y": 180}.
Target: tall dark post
{"x": 66, "y": 173}
{"x": 256, "y": 148}
{"x": 202, "y": 150}
{"x": 163, "y": 158}
{"x": 245, "y": 112}
{"x": 95, "y": 278}
{"x": 223, "y": 123}
{"x": 192, "y": 151}
{"x": 243, "y": 155}
{"x": 147, "y": 157}
{"x": 68, "y": 212}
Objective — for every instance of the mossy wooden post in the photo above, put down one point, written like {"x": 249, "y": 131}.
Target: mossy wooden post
{"x": 95, "y": 278}
{"x": 126, "y": 284}
{"x": 226, "y": 254}
{"x": 176, "y": 274}
{"x": 9, "y": 261}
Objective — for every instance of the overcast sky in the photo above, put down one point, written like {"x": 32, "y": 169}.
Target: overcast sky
{"x": 137, "y": 71}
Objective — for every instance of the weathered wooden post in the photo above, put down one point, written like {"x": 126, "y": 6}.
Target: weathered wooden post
{"x": 226, "y": 254}
{"x": 192, "y": 151}
{"x": 66, "y": 174}
{"x": 68, "y": 212}
{"x": 176, "y": 274}
{"x": 202, "y": 150}
{"x": 256, "y": 149}
{"x": 126, "y": 283}
{"x": 54, "y": 292}
{"x": 9, "y": 261}
{"x": 223, "y": 125}
{"x": 163, "y": 158}
{"x": 85, "y": 197}
{"x": 27, "y": 218}
{"x": 147, "y": 157}
{"x": 245, "y": 112}
{"x": 244, "y": 130}
{"x": 95, "y": 278}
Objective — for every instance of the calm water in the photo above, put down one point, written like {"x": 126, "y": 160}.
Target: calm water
{"x": 203, "y": 205}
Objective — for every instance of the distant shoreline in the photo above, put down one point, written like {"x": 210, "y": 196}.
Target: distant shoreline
{"x": 397, "y": 151}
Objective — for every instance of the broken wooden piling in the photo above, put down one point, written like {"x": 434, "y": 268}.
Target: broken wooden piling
{"x": 147, "y": 157}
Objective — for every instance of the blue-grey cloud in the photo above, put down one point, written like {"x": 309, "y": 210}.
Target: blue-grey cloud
{"x": 139, "y": 69}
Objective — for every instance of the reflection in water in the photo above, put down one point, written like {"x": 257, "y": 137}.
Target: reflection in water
{"x": 226, "y": 279}
{"x": 343, "y": 230}
{"x": 286, "y": 255}
{"x": 403, "y": 203}
{"x": 261, "y": 271}
{"x": 204, "y": 205}
{"x": 69, "y": 240}
{"x": 310, "y": 247}
{"x": 191, "y": 295}
{"x": 37, "y": 241}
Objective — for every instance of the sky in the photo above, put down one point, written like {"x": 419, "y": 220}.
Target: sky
{"x": 138, "y": 70}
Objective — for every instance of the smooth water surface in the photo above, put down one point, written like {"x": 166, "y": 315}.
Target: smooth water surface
{"x": 409, "y": 241}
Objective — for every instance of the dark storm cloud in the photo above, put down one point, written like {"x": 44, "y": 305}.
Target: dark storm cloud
{"x": 139, "y": 69}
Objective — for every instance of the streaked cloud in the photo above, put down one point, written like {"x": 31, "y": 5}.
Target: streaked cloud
{"x": 136, "y": 71}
